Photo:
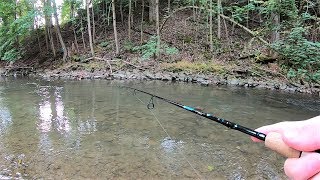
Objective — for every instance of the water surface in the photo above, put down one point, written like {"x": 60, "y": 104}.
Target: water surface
{"x": 94, "y": 130}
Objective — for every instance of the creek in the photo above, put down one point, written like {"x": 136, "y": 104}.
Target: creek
{"x": 92, "y": 129}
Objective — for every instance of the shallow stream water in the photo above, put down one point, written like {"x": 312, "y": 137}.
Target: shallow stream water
{"x": 95, "y": 130}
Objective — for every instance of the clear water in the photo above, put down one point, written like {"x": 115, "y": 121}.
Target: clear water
{"x": 94, "y": 130}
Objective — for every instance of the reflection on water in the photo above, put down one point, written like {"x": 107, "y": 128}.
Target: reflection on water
{"x": 94, "y": 130}
{"x": 5, "y": 116}
{"x": 51, "y": 110}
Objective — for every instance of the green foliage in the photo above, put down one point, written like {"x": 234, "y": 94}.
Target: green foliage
{"x": 12, "y": 55}
{"x": 150, "y": 49}
{"x": 302, "y": 56}
{"x": 104, "y": 44}
{"x": 13, "y": 34}
{"x": 170, "y": 50}
{"x": 66, "y": 14}
{"x": 240, "y": 13}
{"x": 128, "y": 46}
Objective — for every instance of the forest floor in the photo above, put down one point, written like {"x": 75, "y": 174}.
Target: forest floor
{"x": 238, "y": 59}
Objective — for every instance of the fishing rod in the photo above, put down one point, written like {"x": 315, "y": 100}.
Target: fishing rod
{"x": 273, "y": 140}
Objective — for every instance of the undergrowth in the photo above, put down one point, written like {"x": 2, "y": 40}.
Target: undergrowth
{"x": 194, "y": 67}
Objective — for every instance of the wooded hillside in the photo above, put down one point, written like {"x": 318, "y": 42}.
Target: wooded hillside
{"x": 246, "y": 33}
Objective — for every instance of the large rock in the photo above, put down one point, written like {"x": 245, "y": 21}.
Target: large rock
{"x": 166, "y": 77}
{"x": 149, "y": 75}
{"x": 234, "y": 82}
{"x": 119, "y": 75}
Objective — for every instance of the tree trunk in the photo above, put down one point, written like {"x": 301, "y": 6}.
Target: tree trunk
{"x": 115, "y": 26}
{"x": 121, "y": 12}
{"x": 37, "y": 33}
{"x": 71, "y": 9}
{"x": 219, "y": 18}
{"x": 158, "y": 28}
{"x": 46, "y": 36}
{"x": 142, "y": 19}
{"x": 63, "y": 45}
{"x": 152, "y": 11}
{"x": 75, "y": 39}
{"x": 129, "y": 20}
{"x": 109, "y": 11}
{"x": 50, "y": 34}
{"x": 82, "y": 34}
{"x": 48, "y": 26}
{"x": 275, "y": 35}
{"x": 169, "y": 6}
{"x": 93, "y": 26}
{"x": 210, "y": 27}
{"x": 89, "y": 28}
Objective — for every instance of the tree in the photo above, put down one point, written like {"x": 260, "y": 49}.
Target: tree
{"x": 58, "y": 30}
{"x": 210, "y": 27}
{"x": 115, "y": 26}
{"x": 152, "y": 10}
{"x": 158, "y": 28}
{"x": 89, "y": 27}
{"x": 219, "y": 19}
{"x": 129, "y": 20}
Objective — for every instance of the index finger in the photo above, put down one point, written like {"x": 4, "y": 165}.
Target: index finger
{"x": 278, "y": 127}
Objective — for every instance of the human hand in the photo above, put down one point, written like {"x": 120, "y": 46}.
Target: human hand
{"x": 303, "y": 136}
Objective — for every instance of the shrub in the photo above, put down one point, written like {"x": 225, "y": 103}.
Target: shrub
{"x": 302, "y": 57}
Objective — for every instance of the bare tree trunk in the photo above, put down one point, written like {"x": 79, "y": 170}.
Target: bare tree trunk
{"x": 89, "y": 28}
{"x": 142, "y": 19}
{"x": 121, "y": 12}
{"x": 82, "y": 34}
{"x": 63, "y": 45}
{"x": 210, "y": 27}
{"x": 109, "y": 11}
{"x": 158, "y": 28}
{"x": 169, "y": 5}
{"x": 93, "y": 26}
{"x": 37, "y": 33}
{"x": 115, "y": 26}
{"x": 50, "y": 34}
{"x": 71, "y": 9}
{"x": 129, "y": 20}
{"x": 46, "y": 34}
{"x": 48, "y": 26}
{"x": 75, "y": 39}
{"x": 275, "y": 35}
{"x": 219, "y": 18}
{"x": 51, "y": 42}
{"x": 152, "y": 11}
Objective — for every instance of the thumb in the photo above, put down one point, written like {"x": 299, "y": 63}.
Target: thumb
{"x": 304, "y": 137}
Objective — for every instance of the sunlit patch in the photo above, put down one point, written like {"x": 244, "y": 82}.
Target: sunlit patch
{"x": 5, "y": 118}
{"x": 5, "y": 115}
{"x": 87, "y": 127}
{"x": 62, "y": 121}
{"x": 45, "y": 116}
{"x": 170, "y": 145}
{"x": 51, "y": 111}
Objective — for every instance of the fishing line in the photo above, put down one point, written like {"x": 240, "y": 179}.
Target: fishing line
{"x": 151, "y": 104}
{"x": 273, "y": 140}
{"x": 224, "y": 122}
